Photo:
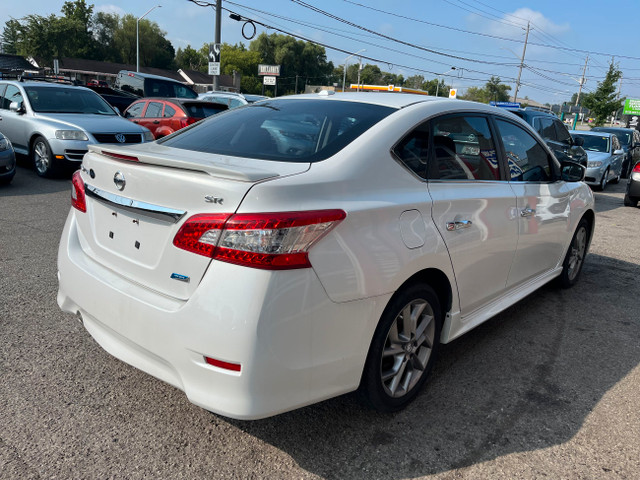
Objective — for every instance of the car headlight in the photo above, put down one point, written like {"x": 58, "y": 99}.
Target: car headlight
{"x": 594, "y": 164}
{"x": 148, "y": 136}
{"x": 71, "y": 135}
{"x": 5, "y": 144}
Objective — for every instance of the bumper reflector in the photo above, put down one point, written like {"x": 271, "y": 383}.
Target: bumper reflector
{"x": 234, "y": 367}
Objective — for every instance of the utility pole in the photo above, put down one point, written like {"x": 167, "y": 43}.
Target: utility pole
{"x": 216, "y": 78}
{"x": 524, "y": 50}
{"x": 584, "y": 71}
{"x": 296, "y": 89}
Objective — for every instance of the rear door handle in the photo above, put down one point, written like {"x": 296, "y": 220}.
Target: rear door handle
{"x": 458, "y": 225}
{"x": 155, "y": 122}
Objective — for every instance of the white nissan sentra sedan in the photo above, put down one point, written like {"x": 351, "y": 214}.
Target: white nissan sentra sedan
{"x": 286, "y": 252}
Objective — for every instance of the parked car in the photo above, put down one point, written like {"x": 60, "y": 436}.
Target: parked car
{"x": 118, "y": 99}
{"x": 54, "y": 123}
{"x": 554, "y": 132}
{"x": 260, "y": 278}
{"x": 147, "y": 85}
{"x": 97, "y": 83}
{"x": 230, "y": 99}
{"x": 629, "y": 139}
{"x": 165, "y": 116}
{"x": 605, "y": 157}
{"x": 7, "y": 161}
{"x": 632, "y": 194}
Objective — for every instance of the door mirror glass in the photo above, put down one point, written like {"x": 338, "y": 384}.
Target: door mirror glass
{"x": 578, "y": 141}
{"x": 618, "y": 152}
{"x": 572, "y": 171}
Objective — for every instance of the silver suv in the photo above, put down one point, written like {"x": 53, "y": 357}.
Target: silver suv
{"x": 54, "y": 123}
{"x": 231, "y": 99}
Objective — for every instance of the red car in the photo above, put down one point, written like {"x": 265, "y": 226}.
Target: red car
{"x": 164, "y": 116}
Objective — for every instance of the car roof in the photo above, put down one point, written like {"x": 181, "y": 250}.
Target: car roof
{"x": 131, "y": 73}
{"x": 394, "y": 100}
{"x": 41, "y": 83}
{"x": 612, "y": 129}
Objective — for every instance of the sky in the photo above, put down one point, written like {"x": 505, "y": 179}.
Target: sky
{"x": 480, "y": 38}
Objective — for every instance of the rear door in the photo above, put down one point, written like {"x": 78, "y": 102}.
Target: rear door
{"x": 473, "y": 207}
{"x": 152, "y": 117}
{"x": 542, "y": 212}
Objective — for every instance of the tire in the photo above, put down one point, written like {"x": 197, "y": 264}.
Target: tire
{"x": 402, "y": 353}
{"x": 603, "y": 182}
{"x": 574, "y": 260}
{"x": 617, "y": 179}
{"x": 42, "y": 158}
{"x": 630, "y": 201}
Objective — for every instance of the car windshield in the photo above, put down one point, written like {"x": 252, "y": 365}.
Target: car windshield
{"x": 594, "y": 143}
{"x": 282, "y": 130}
{"x": 624, "y": 137}
{"x": 67, "y": 100}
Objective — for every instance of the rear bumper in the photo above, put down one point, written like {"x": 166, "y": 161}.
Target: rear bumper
{"x": 7, "y": 163}
{"x": 294, "y": 344}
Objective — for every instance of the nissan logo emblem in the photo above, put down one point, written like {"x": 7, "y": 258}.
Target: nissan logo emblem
{"x": 119, "y": 180}
{"x": 120, "y": 137}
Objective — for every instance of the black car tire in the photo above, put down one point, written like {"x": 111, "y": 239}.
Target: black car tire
{"x": 6, "y": 180}
{"x": 574, "y": 259}
{"x": 617, "y": 179}
{"x": 402, "y": 352}
{"x": 630, "y": 201}
{"x": 42, "y": 158}
{"x": 603, "y": 181}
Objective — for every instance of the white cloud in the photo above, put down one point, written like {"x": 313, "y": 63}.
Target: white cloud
{"x": 110, "y": 9}
{"x": 512, "y": 24}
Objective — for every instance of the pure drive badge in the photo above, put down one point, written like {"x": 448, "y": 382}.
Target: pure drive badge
{"x": 182, "y": 278}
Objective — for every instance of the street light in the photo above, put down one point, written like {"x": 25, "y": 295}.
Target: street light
{"x": 344, "y": 75}
{"x": 438, "y": 79}
{"x": 138, "y": 36}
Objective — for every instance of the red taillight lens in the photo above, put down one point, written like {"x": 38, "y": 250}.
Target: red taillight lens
{"x": 186, "y": 121}
{"x": 78, "y": 199}
{"x": 272, "y": 241}
{"x": 234, "y": 367}
{"x": 637, "y": 168}
{"x": 120, "y": 156}
{"x": 200, "y": 233}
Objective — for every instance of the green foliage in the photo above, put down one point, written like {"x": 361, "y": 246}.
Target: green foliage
{"x": 79, "y": 33}
{"x": 191, "y": 59}
{"x": 602, "y": 102}
{"x": 493, "y": 90}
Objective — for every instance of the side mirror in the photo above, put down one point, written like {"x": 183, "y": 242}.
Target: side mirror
{"x": 618, "y": 152}
{"x": 572, "y": 171}
{"x": 17, "y": 107}
{"x": 578, "y": 141}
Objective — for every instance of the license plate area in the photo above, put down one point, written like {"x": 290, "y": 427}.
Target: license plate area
{"x": 134, "y": 236}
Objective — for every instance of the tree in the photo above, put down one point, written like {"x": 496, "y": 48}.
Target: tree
{"x": 602, "y": 102}
{"x": 493, "y": 90}
{"x": 11, "y": 36}
{"x": 191, "y": 59}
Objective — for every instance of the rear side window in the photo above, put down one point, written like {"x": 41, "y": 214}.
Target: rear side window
{"x": 562, "y": 132}
{"x": 528, "y": 161}
{"x": 545, "y": 127}
{"x": 282, "y": 130}
{"x": 169, "y": 111}
{"x": 413, "y": 150}
{"x": 463, "y": 149}
{"x": 131, "y": 84}
{"x": 154, "y": 110}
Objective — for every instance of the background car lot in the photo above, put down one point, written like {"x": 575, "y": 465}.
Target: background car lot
{"x": 547, "y": 388}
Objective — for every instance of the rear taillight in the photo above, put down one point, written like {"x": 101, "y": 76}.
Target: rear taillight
{"x": 272, "y": 241}
{"x": 78, "y": 199}
{"x": 637, "y": 168}
{"x": 186, "y": 121}
{"x": 120, "y": 156}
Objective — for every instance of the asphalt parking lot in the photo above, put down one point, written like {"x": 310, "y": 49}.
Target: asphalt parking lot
{"x": 548, "y": 388}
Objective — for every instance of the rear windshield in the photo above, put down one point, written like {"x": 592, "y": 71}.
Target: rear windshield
{"x": 282, "y": 130}
{"x": 67, "y": 100}
{"x": 203, "y": 110}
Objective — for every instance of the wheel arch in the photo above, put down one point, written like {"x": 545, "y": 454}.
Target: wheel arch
{"x": 590, "y": 216}
{"x": 437, "y": 280}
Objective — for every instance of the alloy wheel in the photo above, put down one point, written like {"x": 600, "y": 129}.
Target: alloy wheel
{"x": 407, "y": 348}
{"x": 41, "y": 157}
{"x": 576, "y": 257}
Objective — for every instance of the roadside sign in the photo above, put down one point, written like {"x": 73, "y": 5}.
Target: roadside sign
{"x": 271, "y": 70}
{"x": 631, "y": 106}
{"x": 505, "y": 104}
{"x": 453, "y": 93}
{"x": 269, "y": 80}
{"x": 214, "y": 59}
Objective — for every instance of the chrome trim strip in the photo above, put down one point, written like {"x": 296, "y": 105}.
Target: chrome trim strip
{"x": 150, "y": 210}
